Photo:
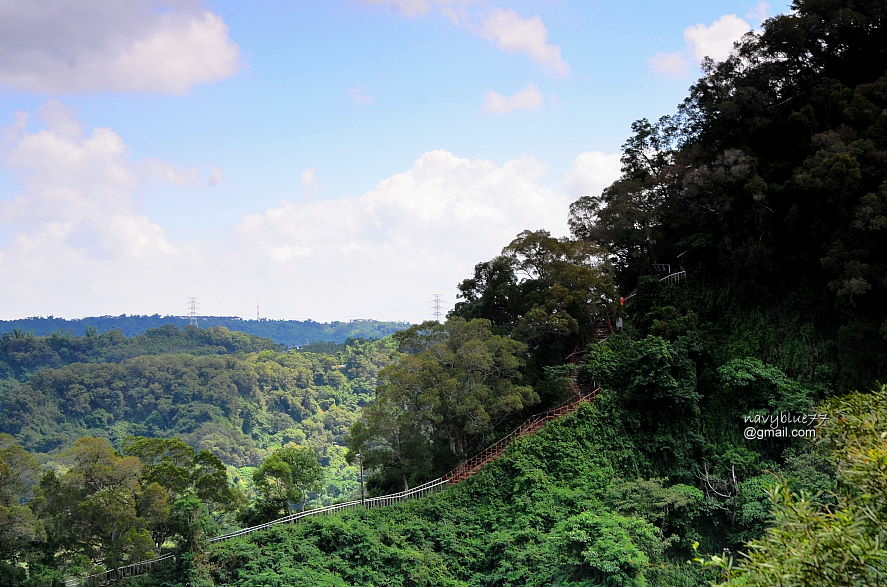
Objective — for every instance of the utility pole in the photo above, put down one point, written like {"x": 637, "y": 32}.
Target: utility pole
{"x": 437, "y": 307}
{"x": 192, "y": 311}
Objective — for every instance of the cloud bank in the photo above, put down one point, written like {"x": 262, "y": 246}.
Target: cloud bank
{"x": 73, "y": 46}
{"x": 78, "y": 243}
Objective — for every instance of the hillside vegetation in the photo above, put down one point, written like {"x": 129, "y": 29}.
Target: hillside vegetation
{"x": 741, "y": 252}
{"x": 228, "y": 392}
{"x": 765, "y": 198}
{"x": 286, "y": 332}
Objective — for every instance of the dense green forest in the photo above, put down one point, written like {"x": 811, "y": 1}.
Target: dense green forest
{"x": 219, "y": 390}
{"x": 289, "y": 333}
{"x": 727, "y": 293}
{"x": 188, "y": 431}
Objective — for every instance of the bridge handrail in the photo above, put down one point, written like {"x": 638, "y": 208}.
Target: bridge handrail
{"x": 418, "y": 491}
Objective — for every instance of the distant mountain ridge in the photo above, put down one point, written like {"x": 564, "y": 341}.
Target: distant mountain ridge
{"x": 291, "y": 333}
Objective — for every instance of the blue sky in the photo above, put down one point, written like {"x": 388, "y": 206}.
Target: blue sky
{"x": 330, "y": 160}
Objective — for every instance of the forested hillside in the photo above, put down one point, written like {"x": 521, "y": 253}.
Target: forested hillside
{"x": 229, "y": 392}
{"x": 571, "y": 506}
{"x": 727, "y": 293}
{"x": 742, "y": 252}
{"x": 286, "y": 332}
{"x": 118, "y": 444}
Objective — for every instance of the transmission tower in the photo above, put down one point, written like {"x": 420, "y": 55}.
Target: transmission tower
{"x": 437, "y": 307}
{"x": 193, "y": 306}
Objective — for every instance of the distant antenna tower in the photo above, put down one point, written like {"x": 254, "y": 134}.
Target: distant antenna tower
{"x": 257, "y": 311}
{"x": 192, "y": 311}
{"x": 437, "y": 307}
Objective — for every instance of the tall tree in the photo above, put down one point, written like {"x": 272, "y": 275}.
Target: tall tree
{"x": 287, "y": 476}
{"x": 547, "y": 292}
{"x": 19, "y": 527}
{"x": 171, "y": 470}
{"x": 92, "y": 508}
{"x": 442, "y": 400}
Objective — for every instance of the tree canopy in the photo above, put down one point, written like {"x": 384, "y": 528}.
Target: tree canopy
{"x": 455, "y": 383}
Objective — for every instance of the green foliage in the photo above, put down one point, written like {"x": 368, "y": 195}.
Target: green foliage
{"x": 844, "y": 544}
{"x": 290, "y": 333}
{"x": 767, "y": 186}
{"x": 441, "y": 401}
{"x": 604, "y": 549}
{"x": 101, "y": 509}
{"x": 91, "y": 509}
{"x": 18, "y": 471}
{"x": 545, "y": 291}
{"x": 674, "y": 509}
{"x": 626, "y": 219}
{"x": 286, "y": 477}
{"x": 236, "y": 406}
{"x": 22, "y": 353}
{"x": 20, "y": 530}
{"x": 655, "y": 378}
{"x": 768, "y": 180}
{"x": 174, "y": 474}
{"x": 539, "y": 515}
{"x": 757, "y": 385}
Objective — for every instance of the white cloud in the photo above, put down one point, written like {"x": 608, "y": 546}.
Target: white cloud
{"x": 442, "y": 201}
{"x": 310, "y": 186}
{"x": 215, "y": 176}
{"x": 77, "y": 236}
{"x": 715, "y": 41}
{"x": 529, "y": 98}
{"x": 10, "y": 134}
{"x": 360, "y": 95}
{"x": 169, "y": 173}
{"x": 453, "y": 9}
{"x": 670, "y": 64}
{"x": 507, "y": 29}
{"x": 512, "y": 32}
{"x": 591, "y": 172}
{"x": 70, "y": 46}
{"x": 77, "y": 182}
{"x": 60, "y": 119}
{"x": 414, "y": 233}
